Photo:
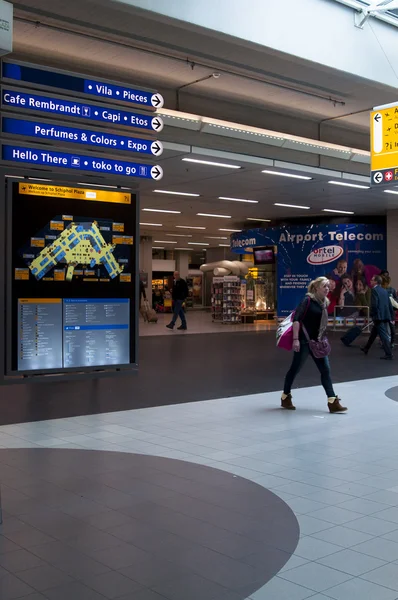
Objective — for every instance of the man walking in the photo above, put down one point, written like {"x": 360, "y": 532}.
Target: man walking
{"x": 180, "y": 294}
{"x": 382, "y": 314}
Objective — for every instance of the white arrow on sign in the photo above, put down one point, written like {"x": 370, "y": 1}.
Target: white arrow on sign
{"x": 157, "y": 148}
{"x": 156, "y": 172}
{"x": 157, "y": 100}
{"x": 157, "y": 124}
{"x": 378, "y": 177}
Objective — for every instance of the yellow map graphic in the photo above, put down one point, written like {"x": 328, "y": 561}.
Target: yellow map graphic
{"x": 79, "y": 244}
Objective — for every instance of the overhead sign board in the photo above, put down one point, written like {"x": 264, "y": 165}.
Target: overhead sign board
{"x": 27, "y": 101}
{"x": 75, "y": 84}
{"x": 63, "y": 133}
{"x": 384, "y": 145}
{"x": 78, "y": 162}
{"x": 56, "y": 191}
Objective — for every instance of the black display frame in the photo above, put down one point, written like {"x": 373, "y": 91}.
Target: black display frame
{"x": 9, "y": 176}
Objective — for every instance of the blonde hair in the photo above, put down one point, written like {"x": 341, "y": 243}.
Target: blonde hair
{"x": 315, "y": 284}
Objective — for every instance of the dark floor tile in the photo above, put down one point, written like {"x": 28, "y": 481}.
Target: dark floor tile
{"x": 93, "y": 539}
{"x": 11, "y": 588}
{"x": 192, "y": 587}
{"x": 44, "y": 578}
{"x": 21, "y": 560}
{"x": 29, "y": 537}
{"x": 34, "y": 597}
{"x": 107, "y": 520}
{"x": 70, "y": 561}
{"x": 118, "y": 557}
{"x": 54, "y": 523}
{"x": 73, "y": 591}
{"x": 144, "y": 594}
{"x": 7, "y": 545}
{"x": 112, "y": 585}
{"x": 153, "y": 570}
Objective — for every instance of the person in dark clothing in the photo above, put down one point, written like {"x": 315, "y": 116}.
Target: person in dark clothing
{"x": 312, "y": 314}
{"x": 382, "y": 313}
{"x": 142, "y": 292}
{"x": 180, "y": 294}
{"x": 346, "y": 298}
{"x": 392, "y": 292}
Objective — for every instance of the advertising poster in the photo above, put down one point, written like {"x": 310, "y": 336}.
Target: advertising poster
{"x": 305, "y": 252}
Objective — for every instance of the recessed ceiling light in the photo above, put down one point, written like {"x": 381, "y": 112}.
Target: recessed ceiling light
{"x": 165, "y": 242}
{"x": 231, "y": 230}
{"x": 179, "y": 234}
{"x": 152, "y": 224}
{"x": 291, "y": 175}
{"x": 343, "y": 212}
{"x": 188, "y": 227}
{"x": 224, "y": 245}
{"x": 158, "y": 210}
{"x": 262, "y": 220}
{"x": 211, "y": 163}
{"x": 293, "y": 206}
{"x": 208, "y": 237}
{"x": 157, "y": 248}
{"x": 214, "y": 216}
{"x": 238, "y": 200}
{"x": 198, "y": 244}
{"x": 183, "y": 249}
{"x": 350, "y": 185}
{"x": 176, "y": 193}
{"x": 390, "y": 191}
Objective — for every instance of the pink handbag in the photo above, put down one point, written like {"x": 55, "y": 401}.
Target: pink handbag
{"x": 284, "y": 333}
{"x": 319, "y": 348}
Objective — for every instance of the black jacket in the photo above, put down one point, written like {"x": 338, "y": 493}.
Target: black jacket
{"x": 381, "y": 308}
{"x": 180, "y": 290}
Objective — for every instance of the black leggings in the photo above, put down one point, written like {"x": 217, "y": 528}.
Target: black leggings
{"x": 298, "y": 361}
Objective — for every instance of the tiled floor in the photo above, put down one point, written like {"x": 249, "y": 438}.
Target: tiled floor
{"x": 338, "y": 473}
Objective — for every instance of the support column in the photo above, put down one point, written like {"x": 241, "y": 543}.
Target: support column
{"x": 182, "y": 263}
{"x": 145, "y": 262}
{"x": 392, "y": 245}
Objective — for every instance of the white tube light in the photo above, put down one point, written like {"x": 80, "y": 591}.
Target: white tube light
{"x": 342, "y": 212}
{"x": 210, "y": 163}
{"x": 152, "y": 224}
{"x": 179, "y": 234}
{"x": 208, "y": 237}
{"x": 190, "y": 249}
{"x": 176, "y": 193}
{"x": 159, "y": 210}
{"x": 238, "y": 200}
{"x": 164, "y": 242}
{"x": 254, "y": 219}
{"x": 213, "y": 216}
{"x": 291, "y": 175}
{"x": 292, "y": 206}
{"x": 231, "y": 230}
{"x": 188, "y": 227}
{"x": 157, "y": 247}
{"x": 350, "y": 185}
{"x": 224, "y": 245}
{"x": 198, "y": 244}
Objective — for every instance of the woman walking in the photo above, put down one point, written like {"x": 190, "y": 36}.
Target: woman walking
{"x": 309, "y": 326}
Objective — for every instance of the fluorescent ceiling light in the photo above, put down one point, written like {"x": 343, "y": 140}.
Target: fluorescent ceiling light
{"x": 350, "y": 185}
{"x": 238, "y": 200}
{"x": 291, "y": 175}
{"x": 183, "y": 249}
{"x": 214, "y": 216}
{"x": 176, "y": 193}
{"x": 157, "y": 248}
{"x": 198, "y": 244}
{"x": 152, "y": 224}
{"x": 188, "y": 227}
{"x": 211, "y": 163}
{"x": 172, "y": 212}
{"x": 224, "y": 245}
{"x": 208, "y": 237}
{"x": 390, "y": 191}
{"x": 164, "y": 242}
{"x": 262, "y": 220}
{"x": 343, "y": 212}
{"x": 292, "y": 206}
{"x": 231, "y": 230}
{"x": 41, "y": 179}
{"x": 179, "y": 234}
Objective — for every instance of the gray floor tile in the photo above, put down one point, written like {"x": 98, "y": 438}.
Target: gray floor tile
{"x": 44, "y": 578}
{"x": 355, "y": 489}
{"x": 311, "y": 548}
{"x": 12, "y": 587}
{"x": 373, "y": 526}
{"x": 379, "y": 548}
{"x": 112, "y": 584}
{"x": 294, "y": 562}
{"x": 363, "y": 506}
{"x": 386, "y": 576}
{"x": 343, "y": 536}
{"x": 144, "y": 594}
{"x": 351, "y": 562}
{"x": 358, "y": 588}
{"x": 73, "y": 591}
{"x": 330, "y": 497}
{"x": 280, "y": 589}
{"x": 303, "y": 506}
{"x": 384, "y": 497}
{"x": 309, "y": 525}
{"x": 336, "y": 515}
{"x": 193, "y": 587}
{"x": 390, "y": 514}
{"x": 315, "y": 577}
{"x": 21, "y": 560}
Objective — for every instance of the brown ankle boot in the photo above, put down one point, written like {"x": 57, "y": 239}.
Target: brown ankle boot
{"x": 336, "y": 407}
{"x": 287, "y": 403}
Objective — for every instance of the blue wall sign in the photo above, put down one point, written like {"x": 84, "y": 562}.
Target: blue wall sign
{"x": 73, "y": 83}
{"x": 69, "y": 108}
{"x": 61, "y": 133}
{"x": 78, "y": 162}
{"x": 305, "y": 252}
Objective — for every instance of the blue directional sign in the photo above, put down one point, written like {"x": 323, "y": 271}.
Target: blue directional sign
{"x": 62, "y": 133}
{"x": 78, "y": 162}
{"x": 78, "y": 110}
{"x": 76, "y": 84}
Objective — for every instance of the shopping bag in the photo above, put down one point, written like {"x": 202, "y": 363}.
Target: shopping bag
{"x": 284, "y": 333}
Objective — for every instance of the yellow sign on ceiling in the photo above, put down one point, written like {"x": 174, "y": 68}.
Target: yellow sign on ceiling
{"x": 55, "y": 191}
{"x": 384, "y": 138}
